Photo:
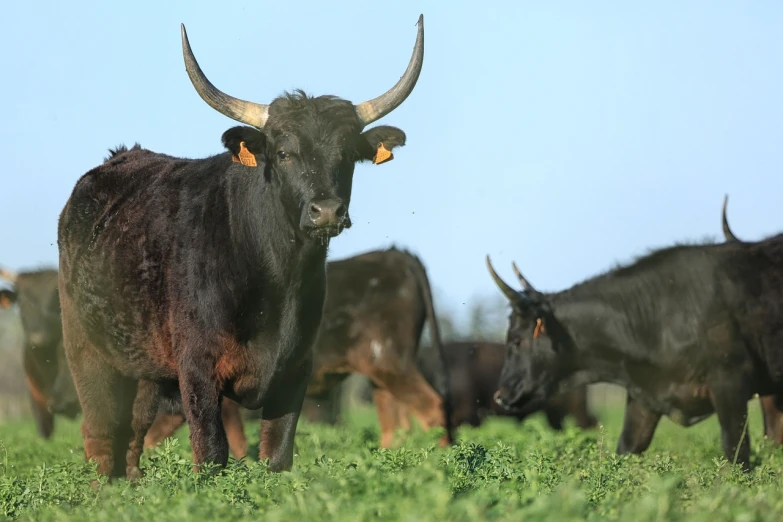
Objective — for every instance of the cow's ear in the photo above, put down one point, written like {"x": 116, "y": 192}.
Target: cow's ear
{"x": 246, "y": 144}
{"x": 376, "y": 144}
{"x": 7, "y": 299}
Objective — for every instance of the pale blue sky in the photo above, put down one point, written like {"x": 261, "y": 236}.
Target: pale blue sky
{"x": 563, "y": 135}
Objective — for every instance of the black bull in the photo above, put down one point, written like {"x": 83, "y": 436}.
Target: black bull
{"x": 474, "y": 371}
{"x": 205, "y": 278}
{"x": 688, "y": 330}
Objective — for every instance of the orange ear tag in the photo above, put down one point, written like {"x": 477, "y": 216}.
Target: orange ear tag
{"x": 539, "y": 328}
{"x": 382, "y": 155}
{"x": 246, "y": 157}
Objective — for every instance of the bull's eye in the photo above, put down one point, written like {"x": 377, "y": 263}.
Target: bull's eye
{"x": 282, "y": 155}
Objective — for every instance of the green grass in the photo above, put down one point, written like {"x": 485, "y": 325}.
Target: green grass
{"x": 501, "y": 471}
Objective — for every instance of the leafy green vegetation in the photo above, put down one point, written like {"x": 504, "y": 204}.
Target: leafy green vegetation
{"x": 500, "y": 471}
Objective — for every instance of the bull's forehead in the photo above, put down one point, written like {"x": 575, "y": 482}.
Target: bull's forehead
{"x": 322, "y": 121}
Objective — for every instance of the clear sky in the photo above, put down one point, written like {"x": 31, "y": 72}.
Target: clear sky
{"x": 564, "y": 135}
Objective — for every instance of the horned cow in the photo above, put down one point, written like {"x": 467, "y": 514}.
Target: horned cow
{"x": 198, "y": 279}
{"x": 688, "y": 330}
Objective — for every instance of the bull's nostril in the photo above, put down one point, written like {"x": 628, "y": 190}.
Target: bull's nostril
{"x": 499, "y": 398}
{"x": 315, "y": 209}
{"x": 340, "y": 212}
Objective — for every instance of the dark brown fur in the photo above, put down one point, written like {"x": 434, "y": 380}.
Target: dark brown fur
{"x": 375, "y": 310}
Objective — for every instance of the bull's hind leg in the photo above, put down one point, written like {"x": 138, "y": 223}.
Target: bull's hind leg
{"x": 388, "y": 414}
{"x": 106, "y": 397}
{"x": 638, "y": 427}
{"x": 145, "y": 409}
{"x": 107, "y": 405}
{"x": 773, "y": 419}
{"x": 235, "y": 429}
{"x": 730, "y": 393}
{"x": 163, "y": 427}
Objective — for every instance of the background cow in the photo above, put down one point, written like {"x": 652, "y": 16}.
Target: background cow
{"x": 474, "y": 371}
{"x": 51, "y": 389}
{"x": 196, "y": 279}
{"x": 688, "y": 330}
{"x": 376, "y": 306}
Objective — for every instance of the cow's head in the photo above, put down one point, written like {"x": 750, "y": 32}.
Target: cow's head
{"x": 308, "y": 146}
{"x": 39, "y": 307}
{"x": 535, "y": 344}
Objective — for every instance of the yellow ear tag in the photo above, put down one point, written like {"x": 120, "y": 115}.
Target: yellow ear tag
{"x": 246, "y": 157}
{"x": 382, "y": 155}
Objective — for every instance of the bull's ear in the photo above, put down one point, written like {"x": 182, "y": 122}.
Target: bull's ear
{"x": 376, "y": 144}
{"x": 245, "y": 144}
{"x": 7, "y": 299}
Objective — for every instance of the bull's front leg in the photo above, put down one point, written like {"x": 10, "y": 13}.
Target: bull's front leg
{"x": 201, "y": 402}
{"x": 279, "y": 417}
{"x": 638, "y": 427}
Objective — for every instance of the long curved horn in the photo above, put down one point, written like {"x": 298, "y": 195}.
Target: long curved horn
{"x": 509, "y": 292}
{"x": 727, "y": 233}
{"x": 379, "y": 107}
{"x": 250, "y": 113}
{"x": 8, "y": 275}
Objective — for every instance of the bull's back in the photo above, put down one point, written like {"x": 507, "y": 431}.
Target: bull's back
{"x": 117, "y": 236}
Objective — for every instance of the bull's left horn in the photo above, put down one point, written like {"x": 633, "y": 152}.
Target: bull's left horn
{"x": 379, "y": 107}
{"x": 246, "y": 112}
{"x": 511, "y": 294}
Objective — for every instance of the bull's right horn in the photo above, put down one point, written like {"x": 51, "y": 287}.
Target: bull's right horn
{"x": 246, "y": 112}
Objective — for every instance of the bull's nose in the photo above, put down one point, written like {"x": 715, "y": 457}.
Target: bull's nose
{"x": 327, "y": 212}
{"x": 500, "y": 397}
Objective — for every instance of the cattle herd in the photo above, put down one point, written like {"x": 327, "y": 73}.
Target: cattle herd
{"x": 188, "y": 289}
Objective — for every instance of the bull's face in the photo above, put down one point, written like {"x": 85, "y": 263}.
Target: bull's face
{"x": 534, "y": 364}
{"x": 39, "y": 308}
{"x": 308, "y": 147}
{"x": 308, "y": 150}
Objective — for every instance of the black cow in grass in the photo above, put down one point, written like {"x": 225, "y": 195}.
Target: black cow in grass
{"x": 688, "y": 330}
{"x": 43, "y": 356}
{"x": 773, "y": 419}
{"x": 474, "y": 370}
{"x": 204, "y": 278}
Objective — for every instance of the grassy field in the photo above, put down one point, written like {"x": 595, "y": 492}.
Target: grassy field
{"x": 501, "y": 471}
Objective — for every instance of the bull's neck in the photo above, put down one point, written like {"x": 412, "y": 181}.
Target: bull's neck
{"x": 602, "y": 345}
{"x": 266, "y": 239}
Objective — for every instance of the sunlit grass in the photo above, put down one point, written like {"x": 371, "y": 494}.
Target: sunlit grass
{"x": 501, "y": 471}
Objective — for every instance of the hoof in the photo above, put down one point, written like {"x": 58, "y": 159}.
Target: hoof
{"x": 133, "y": 474}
